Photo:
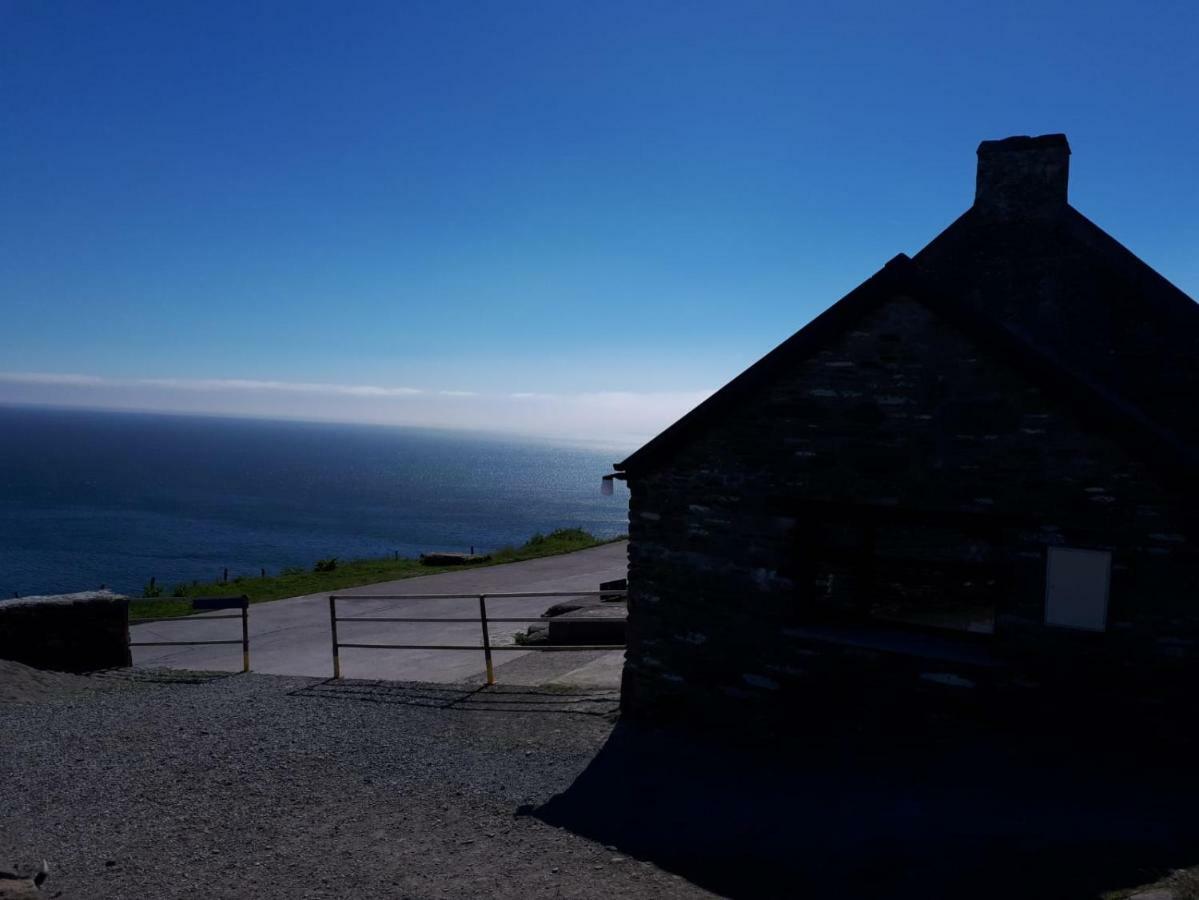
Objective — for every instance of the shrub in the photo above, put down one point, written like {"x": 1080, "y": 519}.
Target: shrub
{"x": 559, "y": 536}
{"x": 571, "y": 534}
{"x": 151, "y": 590}
{"x": 325, "y": 565}
{"x": 180, "y": 590}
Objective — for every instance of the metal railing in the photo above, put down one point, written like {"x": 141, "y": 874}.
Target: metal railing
{"x": 483, "y": 620}
{"x": 201, "y": 604}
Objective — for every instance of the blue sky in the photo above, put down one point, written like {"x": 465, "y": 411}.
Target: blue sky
{"x": 558, "y": 217}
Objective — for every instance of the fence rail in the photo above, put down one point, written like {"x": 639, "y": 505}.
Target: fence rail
{"x": 482, "y": 620}
{"x": 200, "y": 604}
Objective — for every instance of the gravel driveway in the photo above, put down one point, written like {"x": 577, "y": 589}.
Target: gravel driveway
{"x": 255, "y": 786}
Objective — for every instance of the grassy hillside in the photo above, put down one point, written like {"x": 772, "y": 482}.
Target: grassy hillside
{"x": 332, "y": 575}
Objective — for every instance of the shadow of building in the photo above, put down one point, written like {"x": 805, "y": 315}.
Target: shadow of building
{"x": 928, "y": 807}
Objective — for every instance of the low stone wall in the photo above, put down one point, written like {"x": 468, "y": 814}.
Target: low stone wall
{"x": 67, "y": 632}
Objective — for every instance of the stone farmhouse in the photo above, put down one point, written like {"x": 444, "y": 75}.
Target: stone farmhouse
{"x": 979, "y": 466}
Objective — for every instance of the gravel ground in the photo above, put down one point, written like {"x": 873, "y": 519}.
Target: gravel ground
{"x": 255, "y": 786}
{"x": 22, "y": 684}
{"x": 539, "y": 667}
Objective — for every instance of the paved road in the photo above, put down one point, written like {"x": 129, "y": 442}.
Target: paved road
{"x": 291, "y": 637}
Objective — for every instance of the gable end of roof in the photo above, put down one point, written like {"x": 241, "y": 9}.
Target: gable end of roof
{"x": 903, "y": 277}
{"x": 895, "y": 276}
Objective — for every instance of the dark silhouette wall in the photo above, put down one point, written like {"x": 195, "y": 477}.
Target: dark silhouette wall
{"x": 902, "y": 425}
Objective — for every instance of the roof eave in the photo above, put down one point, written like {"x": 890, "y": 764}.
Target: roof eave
{"x": 881, "y": 284}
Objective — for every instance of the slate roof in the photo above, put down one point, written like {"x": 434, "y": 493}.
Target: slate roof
{"x": 1050, "y": 290}
{"x": 1067, "y": 288}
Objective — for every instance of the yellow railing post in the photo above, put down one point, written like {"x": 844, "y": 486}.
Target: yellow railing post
{"x": 333, "y": 630}
{"x": 245, "y": 634}
{"x": 486, "y": 638}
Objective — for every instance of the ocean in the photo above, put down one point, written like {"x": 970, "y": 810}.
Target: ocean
{"x": 90, "y": 498}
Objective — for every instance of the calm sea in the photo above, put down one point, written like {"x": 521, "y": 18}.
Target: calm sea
{"x": 91, "y": 498}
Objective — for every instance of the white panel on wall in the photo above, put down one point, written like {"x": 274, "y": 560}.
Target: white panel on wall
{"x": 1076, "y": 588}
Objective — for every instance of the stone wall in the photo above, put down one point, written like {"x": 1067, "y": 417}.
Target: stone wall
{"x": 904, "y": 416}
{"x": 68, "y": 632}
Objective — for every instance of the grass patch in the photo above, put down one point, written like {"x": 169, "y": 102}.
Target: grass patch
{"x": 323, "y": 578}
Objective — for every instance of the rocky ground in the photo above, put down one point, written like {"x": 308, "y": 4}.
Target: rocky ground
{"x": 22, "y": 684}
{"x": 137, "y": 784}
{"x": 1182, "y": 884}
{"x": 253, "y": 786}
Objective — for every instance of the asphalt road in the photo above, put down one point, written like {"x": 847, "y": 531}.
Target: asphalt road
{"x": 291, "y": 637}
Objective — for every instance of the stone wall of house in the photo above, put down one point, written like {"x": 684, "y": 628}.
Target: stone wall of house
{"x": 67, "y": 632}
{"x": 903, "y": 413}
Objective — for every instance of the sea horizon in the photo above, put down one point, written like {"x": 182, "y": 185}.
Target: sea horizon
{"x": 114, "y": 497}
{"x": 621, "y": 442}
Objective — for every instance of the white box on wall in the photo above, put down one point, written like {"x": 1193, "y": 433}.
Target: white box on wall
{"x": 1077, "y": 585}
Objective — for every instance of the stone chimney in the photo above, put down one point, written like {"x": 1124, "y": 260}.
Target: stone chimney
{"x": 1022, "y": 177}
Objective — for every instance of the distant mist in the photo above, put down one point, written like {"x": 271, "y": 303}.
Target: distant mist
{"x": 617, "y": 417}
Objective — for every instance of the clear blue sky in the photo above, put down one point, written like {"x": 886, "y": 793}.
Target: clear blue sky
{"x": 572, "y": 198}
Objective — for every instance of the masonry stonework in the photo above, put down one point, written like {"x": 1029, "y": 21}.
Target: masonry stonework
{"x": 909, "y": 429}
{"x": 66, "y": 632}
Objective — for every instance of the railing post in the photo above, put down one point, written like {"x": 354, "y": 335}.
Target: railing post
{"x": 245, "y": 634}
{"x": 486, "y": 638}
{"x": 333, "y": 630}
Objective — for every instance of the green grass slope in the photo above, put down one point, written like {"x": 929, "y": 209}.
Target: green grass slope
{"x": 324, "y": 577}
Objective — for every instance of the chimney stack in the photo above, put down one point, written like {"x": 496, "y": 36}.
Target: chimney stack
{"x": 1022, "y": 177}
